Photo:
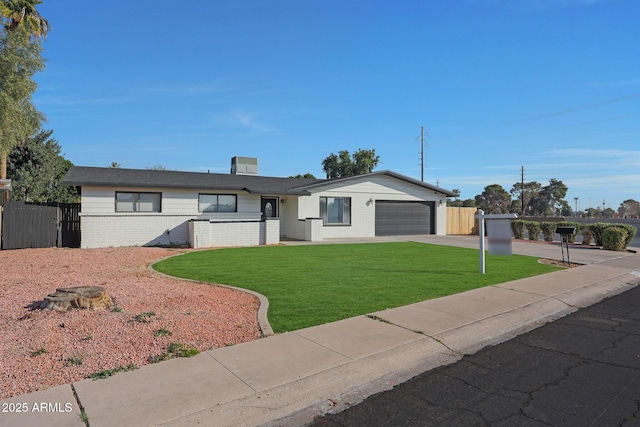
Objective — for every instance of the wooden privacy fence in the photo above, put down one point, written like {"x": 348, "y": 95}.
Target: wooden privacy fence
{"x": 461, "y": 220}
{"x": 47, "y": 225}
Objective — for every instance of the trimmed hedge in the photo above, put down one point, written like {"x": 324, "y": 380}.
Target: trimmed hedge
{"x": 597, "y": 228}
{"x": 631, "y": 233}
{"x": 590, "y": 232}
{"x": 548, "y": 230}
{"x": 517, "y": 227}
{"x": 587, "y": 237}
{"x": 613, "y": 239}
{"x": 533, "y": 228}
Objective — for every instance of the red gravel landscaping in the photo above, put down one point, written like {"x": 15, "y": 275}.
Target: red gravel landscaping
{"x": 40, "y": 349}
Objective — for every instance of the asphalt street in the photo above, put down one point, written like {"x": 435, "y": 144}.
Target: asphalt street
{"x": 581, "y": 370}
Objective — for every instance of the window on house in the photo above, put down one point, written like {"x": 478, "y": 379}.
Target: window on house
{"x": 217, "y": 203}
{"x": 138, "y": 202}
{"x": 335, "y": 210}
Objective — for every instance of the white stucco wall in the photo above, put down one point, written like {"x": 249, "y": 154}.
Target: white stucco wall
{"x": 362, "y": 192}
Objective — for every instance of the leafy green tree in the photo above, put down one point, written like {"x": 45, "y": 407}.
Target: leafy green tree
{"x": 592, "y": 213}
{"x": 344, "y": 165}
{"x": 552, "y": 197}
{"x": 115, "y": 165}
{"x": 457, "y": 202}
{"x": 630, "y": 208}
{"x": 37, "y": 168}
{"x": 20, "y": 60}
{"x": 23, "y": 14}
{"x": 494, "y": 199}
{"x": 364, "y": 161}
{"x": 531, "y": 195}
{"x": 565, "y": 208}
{"x": 306, "y": 175}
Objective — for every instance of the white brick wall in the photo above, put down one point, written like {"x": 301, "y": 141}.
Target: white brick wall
{"x": 139, "y": 229}
{"x": 205, "y": 234}
{"x": 271, "y": 231}
{"x": 314, "y": 230}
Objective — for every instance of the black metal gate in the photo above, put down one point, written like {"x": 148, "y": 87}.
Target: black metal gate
{"x": 69, "y": 223}
{"x": 43, "y": 225}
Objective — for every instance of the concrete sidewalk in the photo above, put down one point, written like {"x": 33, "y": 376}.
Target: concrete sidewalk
{"x": 287, "y": 379}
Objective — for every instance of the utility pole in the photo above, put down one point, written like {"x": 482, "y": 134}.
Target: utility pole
{"x": 422, "y": 153}
{"x": 422, "y": 158}
{"x": 576, "y": 199}
{"x": 522, "y": 188}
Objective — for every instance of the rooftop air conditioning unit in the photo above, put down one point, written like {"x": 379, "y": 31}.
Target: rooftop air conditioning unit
{"x": 244, "y": 165}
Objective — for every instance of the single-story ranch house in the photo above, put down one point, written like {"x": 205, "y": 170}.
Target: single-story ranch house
{"x": 129, "y": 207}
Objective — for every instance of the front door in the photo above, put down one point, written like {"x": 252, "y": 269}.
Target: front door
{"x": 269, "y": 207}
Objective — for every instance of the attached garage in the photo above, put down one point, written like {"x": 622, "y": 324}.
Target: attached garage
{"x": 397, "y": 218}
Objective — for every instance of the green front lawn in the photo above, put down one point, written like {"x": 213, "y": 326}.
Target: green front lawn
{"x": 314, "y": 284}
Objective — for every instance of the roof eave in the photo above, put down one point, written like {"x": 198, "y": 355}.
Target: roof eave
{"x": 396, "y": 175}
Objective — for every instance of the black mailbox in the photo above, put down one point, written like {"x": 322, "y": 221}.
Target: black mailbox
{"x": 565, "y": 231}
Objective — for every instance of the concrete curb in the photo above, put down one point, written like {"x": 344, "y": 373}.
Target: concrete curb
{"x": 333, "y": 390}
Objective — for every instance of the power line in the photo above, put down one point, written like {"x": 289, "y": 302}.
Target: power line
{"x": 556, "y": 113}
{"x": 583, "y": 107}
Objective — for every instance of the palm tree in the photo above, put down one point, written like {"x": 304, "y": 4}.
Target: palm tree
{"x": 21, "y": 20}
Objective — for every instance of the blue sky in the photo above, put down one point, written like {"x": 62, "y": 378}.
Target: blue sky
{"x": 551, "y": 85}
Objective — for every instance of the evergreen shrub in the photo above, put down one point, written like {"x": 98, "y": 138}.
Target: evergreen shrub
{"x": 587, "y": 236}
{"x": 518, "y": 227}
{"x": 533, "y": 227}
{"x": 548, "y": 230}
{"x": 631, "y": 233}
{"x": 597, "y": 228}
{"x": 613, "y": 239}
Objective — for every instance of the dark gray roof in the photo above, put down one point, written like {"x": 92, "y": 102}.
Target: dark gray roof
{"x": 149, "y": 178}
{"x": 393, "y": 174}
{"x": 117, "y": 177}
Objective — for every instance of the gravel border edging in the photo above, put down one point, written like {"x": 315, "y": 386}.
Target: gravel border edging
{"x": 263, "y": 322}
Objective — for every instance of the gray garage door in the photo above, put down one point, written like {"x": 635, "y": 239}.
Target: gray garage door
{"x": 396, "y": 218}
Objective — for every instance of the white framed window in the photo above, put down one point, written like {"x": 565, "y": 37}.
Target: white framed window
{"x": 138, "y": 202}
{"x": 217, "y": 203}
{"x": 335, "y": 210}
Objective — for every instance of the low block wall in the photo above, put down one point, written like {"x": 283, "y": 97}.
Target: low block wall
{"x": 206, "y": 234}
{"x": 314, "y": 230}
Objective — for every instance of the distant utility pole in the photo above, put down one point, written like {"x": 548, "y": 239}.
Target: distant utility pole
{"x": 576, "y": 199}
{"x": 422, "y": 160}
{"x": 522, "y": 188}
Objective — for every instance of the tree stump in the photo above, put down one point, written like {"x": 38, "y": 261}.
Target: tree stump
{"x": 91, "y": 297}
